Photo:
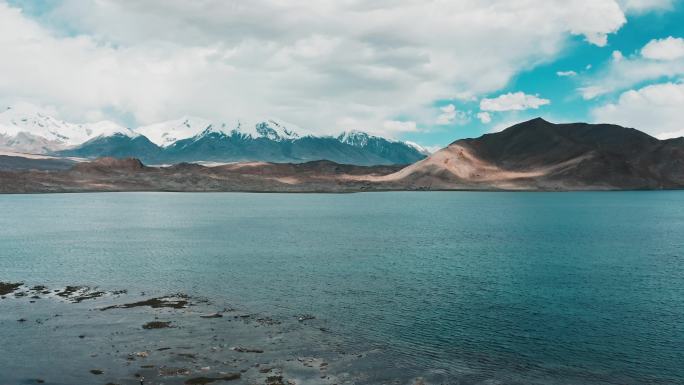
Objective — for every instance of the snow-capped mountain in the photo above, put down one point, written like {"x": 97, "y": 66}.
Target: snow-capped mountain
{"x": 277, "y": 130}
{"x": 393, "y": 150}
{"x": 25, "y": 128}
{"x": 167, "y": 133}
{"x": 164, "y": 134}
{"x": 192, "y": 139}
{"x": 362, "y": 139}
{"x": 116, "y": 145}
{"x": 418, "y": 147}
{"x": 355, "y": 138}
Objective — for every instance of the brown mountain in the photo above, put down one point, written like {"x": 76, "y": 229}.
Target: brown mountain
{"x": 533, "y": 155}
{"x": 110, "y": 174}
{"x": 540, "y": 155}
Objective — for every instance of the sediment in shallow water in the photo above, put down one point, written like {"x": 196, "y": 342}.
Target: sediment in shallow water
{"x": 77, "y": 333}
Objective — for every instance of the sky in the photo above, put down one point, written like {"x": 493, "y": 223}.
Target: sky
{"x": 428, "y": 71}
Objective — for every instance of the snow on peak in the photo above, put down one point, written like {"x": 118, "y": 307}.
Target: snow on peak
{"x": 107, "y": 128}
{"x": 275, "y": 130}
{"x": 166, "y": 133}
{"x": 355, "y": 138}
{"x": 218, "y": 129}
{"x": 29, "y": 119}
{"x": 360, "y": 139}
{"x": 25, "y": 118}
{"x": 418, "y": 147}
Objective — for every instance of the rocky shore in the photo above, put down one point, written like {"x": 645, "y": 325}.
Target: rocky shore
{"x": 81, "y": 335}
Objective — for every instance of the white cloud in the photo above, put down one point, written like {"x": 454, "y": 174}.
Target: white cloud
{"x": 448, "y": 115}
{"x": 655, "y": 109}
{"x": 323, "y": 65}
{"x": 640, "y": 6}
{"x": 451, "y": 115}
{"x": 484, "y": 117}
{"x": 591, "y": 92}
{"x": 513, "y": 101}
{"x": 617, "y": 55}
{"x": 400, "y": 126}
{"x": 658, "y": 59}
{"x": 669, "y": 48}
{"x": 566, "y": 73}
{"x": 590, "y": 24}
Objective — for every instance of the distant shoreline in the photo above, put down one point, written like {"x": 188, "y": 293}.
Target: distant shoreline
{"x": 310, "y": 192}
{"x": 531, "y": 156}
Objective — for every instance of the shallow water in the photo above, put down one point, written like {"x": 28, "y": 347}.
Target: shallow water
{"x": 455, "y": 287}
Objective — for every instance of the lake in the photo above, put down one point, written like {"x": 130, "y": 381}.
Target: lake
{"x": 454, "y": 287}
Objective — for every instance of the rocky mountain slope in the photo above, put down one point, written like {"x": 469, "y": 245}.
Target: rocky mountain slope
{"x": 111, "y": 174}
{"x": 540, "y": 155}
{"x": 23, "y": 162}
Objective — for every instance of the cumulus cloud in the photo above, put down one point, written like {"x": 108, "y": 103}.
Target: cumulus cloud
{"x": 590, "y": 92}
{"x": 325, "y": 65}
{"x": 400, "y": 126}
{"x": 448, "y": 114}
{"x": 655, "y": 109}
{"x": 617, "y": 55}
{"x": 566, "y": 73}
{"x": 513, "y": 101}
{"x": 484, "y": 117}
{"x": 640, "y": 6}
{"x": 669, "y": 48}
{"x": 657, "y": 59}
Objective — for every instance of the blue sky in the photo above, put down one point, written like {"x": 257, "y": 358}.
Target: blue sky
{"x": 426, "y": 71}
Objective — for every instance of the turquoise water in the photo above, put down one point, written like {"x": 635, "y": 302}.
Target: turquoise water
{"x": 520, "y": 288}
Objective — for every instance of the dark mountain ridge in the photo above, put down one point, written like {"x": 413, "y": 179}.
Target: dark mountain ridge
{"x": 538, "y": 141}
{"x": 537, "y": 154}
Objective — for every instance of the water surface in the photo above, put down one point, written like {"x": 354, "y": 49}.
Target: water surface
{"x": 529, "y": 288}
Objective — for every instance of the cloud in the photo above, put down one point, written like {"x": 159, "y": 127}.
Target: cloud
{"x": 517, "y": 101}
{"x": 617, "y": 55}
{"x": 323, "y": 65}
{"x": 657, "y": 59}
{"x": 669, "y": 48}
{"x": 590, "y": 92}
{"x": 448, "y": 115}
{"x": 641, "y": 6}
{"x": 655, "y": 109}
{"x": 566, "y": 73}
{"x": 484, "y": 117}
{"x": 400, "y": 126}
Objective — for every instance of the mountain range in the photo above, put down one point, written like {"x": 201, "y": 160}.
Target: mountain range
{"x": 25, "y": 129}
{"x": 533, "y": 155}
